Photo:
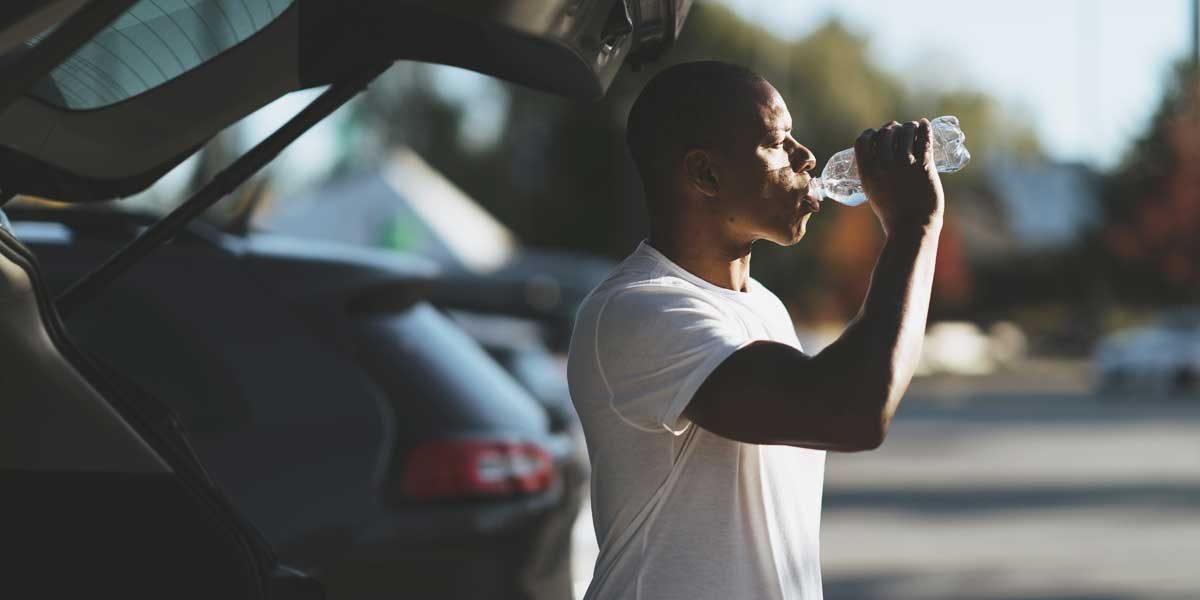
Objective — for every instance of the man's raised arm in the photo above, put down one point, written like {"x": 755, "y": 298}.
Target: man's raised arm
{"x": 844, "y": 397}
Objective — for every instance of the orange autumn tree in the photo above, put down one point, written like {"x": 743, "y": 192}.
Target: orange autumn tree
{"x": 1152, "y": 228}
{"x": 853, "y": 246}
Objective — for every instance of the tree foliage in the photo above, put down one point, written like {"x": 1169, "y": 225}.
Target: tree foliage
{"x": 1152, "y": 221}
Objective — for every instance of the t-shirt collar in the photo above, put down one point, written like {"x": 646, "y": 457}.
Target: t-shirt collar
{"x": 645, "y": 248}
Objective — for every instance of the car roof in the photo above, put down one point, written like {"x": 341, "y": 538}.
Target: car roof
{"x": 166, "y": 75}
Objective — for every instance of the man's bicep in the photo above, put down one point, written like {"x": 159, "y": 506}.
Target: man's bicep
{"x": 741, "y": 399}
{"x": 772, "y": 393}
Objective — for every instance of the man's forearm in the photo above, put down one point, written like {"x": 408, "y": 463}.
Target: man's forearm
{"x": 879, "y": 351}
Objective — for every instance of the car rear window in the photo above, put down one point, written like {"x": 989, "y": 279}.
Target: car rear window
{"x": 154, "y": 42}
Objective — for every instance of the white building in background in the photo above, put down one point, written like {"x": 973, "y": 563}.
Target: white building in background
{"x": 1045, "y": 206}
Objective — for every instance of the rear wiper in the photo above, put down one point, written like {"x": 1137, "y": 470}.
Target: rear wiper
{"x": 218, "y": 187}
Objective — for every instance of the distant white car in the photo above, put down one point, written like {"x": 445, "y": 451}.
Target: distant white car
{"x": 962, "y": 348}
{"x": 955, "y": 347}
{"x": 1161, "y": 357}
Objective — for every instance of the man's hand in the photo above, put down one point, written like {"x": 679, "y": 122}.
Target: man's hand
{"x": 899, "y": 177}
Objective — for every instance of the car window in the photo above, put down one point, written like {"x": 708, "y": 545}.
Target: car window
{"x": 154, "y": 42}
{"x": 419, "y": 353}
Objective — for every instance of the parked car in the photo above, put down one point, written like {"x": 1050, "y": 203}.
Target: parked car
{"x": 405, "y": 205}
{"x": 518, "y": 303}
{"x": 1162, "y": 357}
{"x": 104, "y": 493}
{"x": 373, "y": 443}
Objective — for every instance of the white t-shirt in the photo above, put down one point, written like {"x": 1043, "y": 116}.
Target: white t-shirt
{"x": 682, "y": 513}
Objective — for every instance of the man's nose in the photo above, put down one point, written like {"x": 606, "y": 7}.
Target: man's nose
{"x": 803, "y": 159}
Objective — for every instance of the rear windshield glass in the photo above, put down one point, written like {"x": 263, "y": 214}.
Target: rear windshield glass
{"x": 154, "y": 42}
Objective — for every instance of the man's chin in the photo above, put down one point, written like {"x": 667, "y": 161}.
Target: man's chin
{"x": 790, "y": 238}
{"x": 792, "y": 234}
{"x": 800, "y": 229}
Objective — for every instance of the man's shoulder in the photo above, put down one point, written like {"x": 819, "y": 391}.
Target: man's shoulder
{"x": 642, "y": 273}
{"x": 641, "y": 290}
{"x": 765, "y": 292}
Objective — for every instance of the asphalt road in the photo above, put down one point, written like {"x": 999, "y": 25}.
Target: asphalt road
{"x": 1025, "y": 489}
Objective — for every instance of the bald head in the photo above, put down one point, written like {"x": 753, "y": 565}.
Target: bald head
{"x": 685, "y": 106}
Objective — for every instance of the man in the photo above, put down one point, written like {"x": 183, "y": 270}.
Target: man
{"x": 706, "y": 425}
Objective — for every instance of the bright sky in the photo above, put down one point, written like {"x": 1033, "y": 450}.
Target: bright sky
{"x": 1087, "y": 73}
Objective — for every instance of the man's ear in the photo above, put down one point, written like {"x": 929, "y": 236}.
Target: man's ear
{"x": 701, "y": 171}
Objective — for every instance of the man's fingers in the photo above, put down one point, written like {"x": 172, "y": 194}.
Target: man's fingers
{"x": 864, "y": 152}
{"x": 905, "y": 147}
{"x": 923, "y": 144}
{"x": 885, "y": 145}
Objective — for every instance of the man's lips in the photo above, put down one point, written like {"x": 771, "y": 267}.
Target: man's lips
{"x": 809, "y": 203}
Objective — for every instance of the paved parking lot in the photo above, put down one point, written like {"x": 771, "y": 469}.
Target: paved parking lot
{"x": 1025, "y": 490}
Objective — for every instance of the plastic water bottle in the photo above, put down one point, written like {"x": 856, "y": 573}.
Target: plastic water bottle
{"x": 839, "y": 180}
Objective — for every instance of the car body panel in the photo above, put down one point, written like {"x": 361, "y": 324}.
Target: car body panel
{"x": 20, "y": 20}
{"x": 123, "y": 473}
{"x": 108, "y": 149}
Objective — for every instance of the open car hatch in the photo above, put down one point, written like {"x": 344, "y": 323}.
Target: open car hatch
{"x": 159, "y": 81}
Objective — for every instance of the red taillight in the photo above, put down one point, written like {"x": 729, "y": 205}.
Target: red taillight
{"x": 474, "y": 468}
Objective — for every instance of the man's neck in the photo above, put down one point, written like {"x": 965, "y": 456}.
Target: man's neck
{"x": 723, "y": 265}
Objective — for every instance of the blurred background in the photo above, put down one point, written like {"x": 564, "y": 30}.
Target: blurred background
{"x": 1050, "y": 447}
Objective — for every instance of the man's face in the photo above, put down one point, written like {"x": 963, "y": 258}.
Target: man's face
{"x": 763, "y": 175}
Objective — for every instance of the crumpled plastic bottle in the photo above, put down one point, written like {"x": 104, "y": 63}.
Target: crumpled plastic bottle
{"x": 840, "y": 181}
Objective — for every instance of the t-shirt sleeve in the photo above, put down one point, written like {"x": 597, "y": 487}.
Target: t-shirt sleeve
{"x": 655, "y": 346}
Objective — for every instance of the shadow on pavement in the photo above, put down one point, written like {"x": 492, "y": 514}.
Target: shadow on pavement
{"x": 1011, "y": 409}
{"x": 959, "y": 501}
{"x": 893, "y": 586}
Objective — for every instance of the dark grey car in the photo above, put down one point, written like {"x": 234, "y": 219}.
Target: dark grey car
{"x": 373, "y": 443}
